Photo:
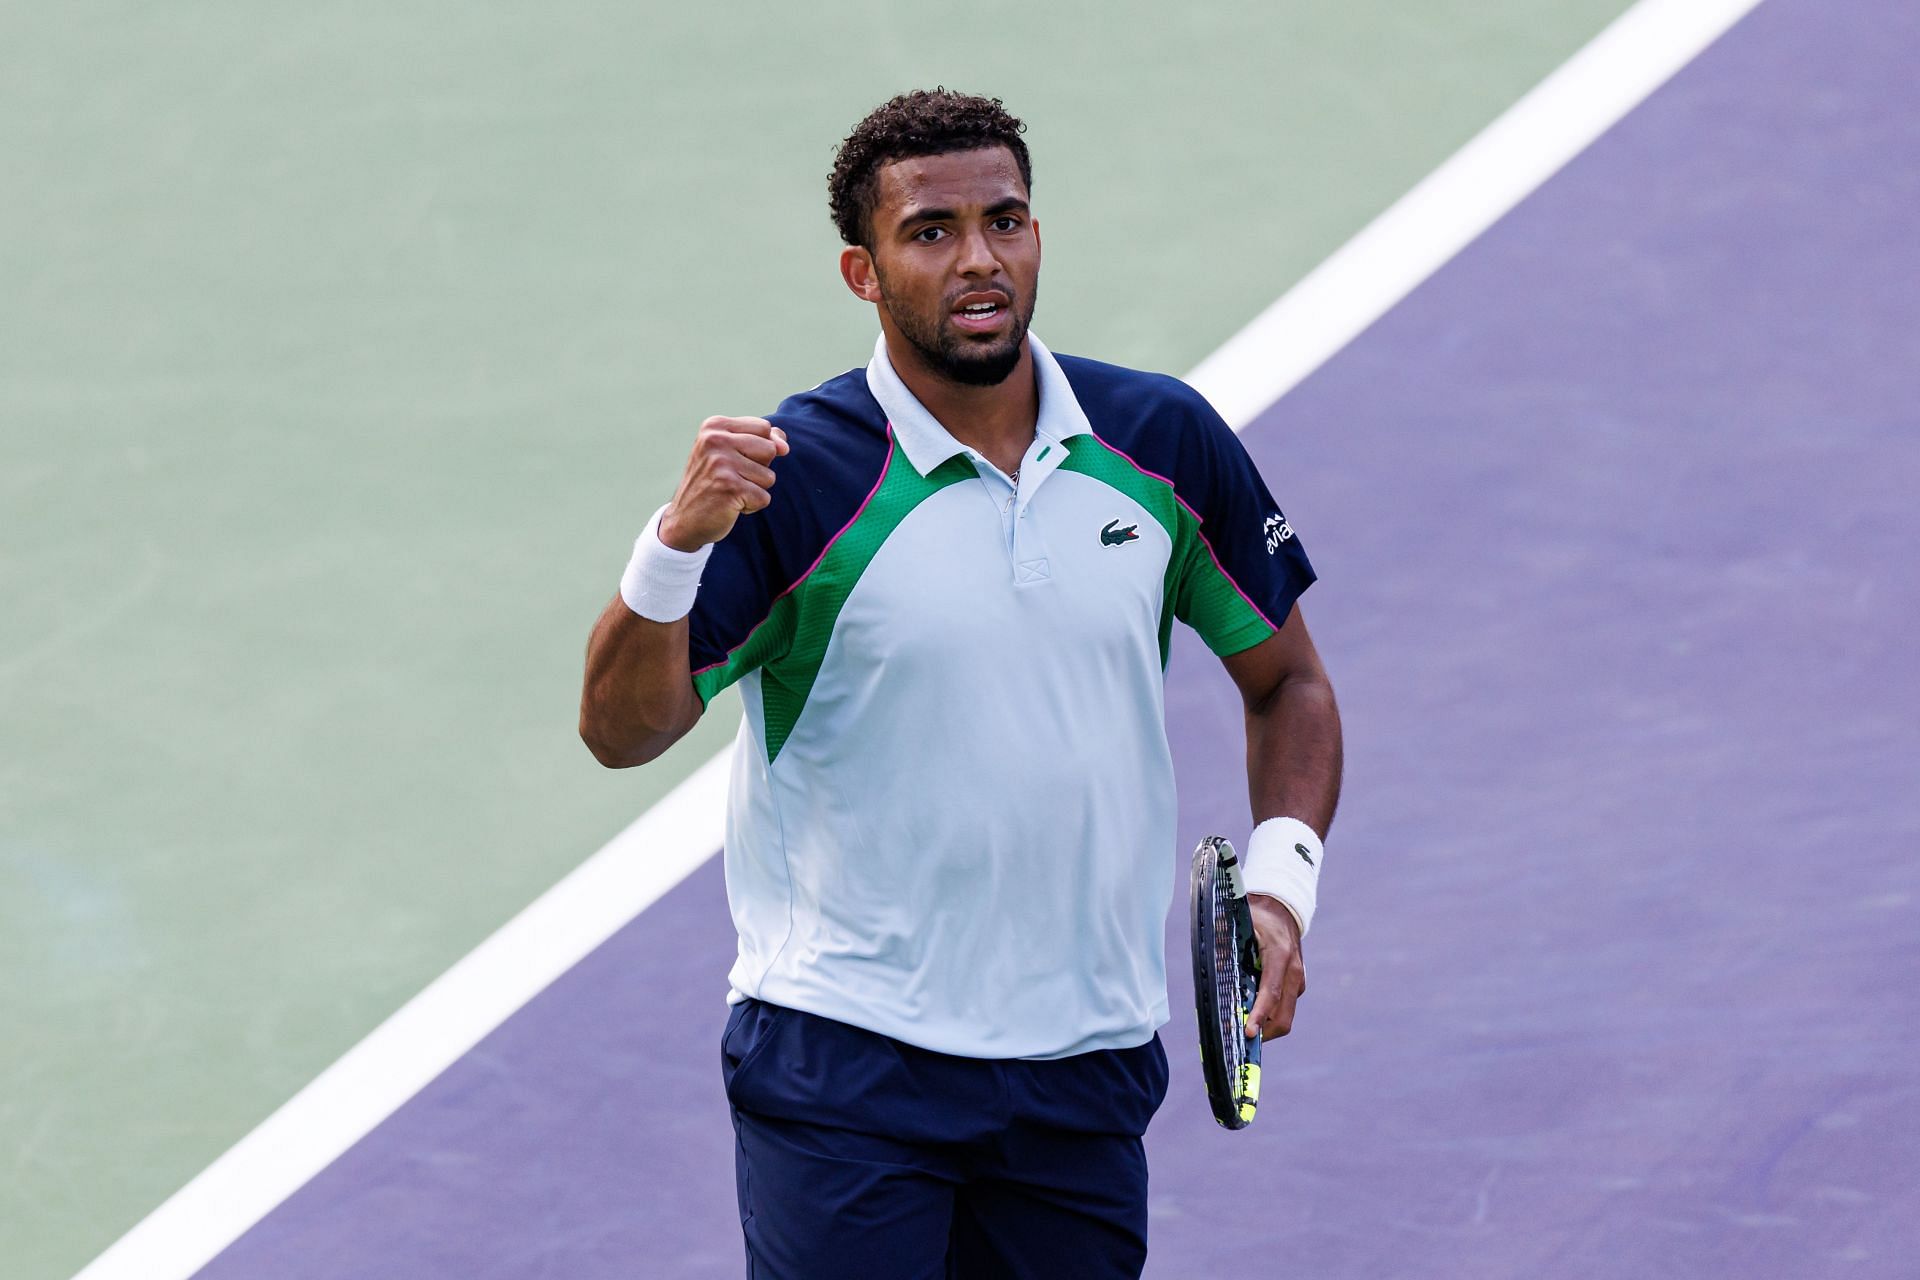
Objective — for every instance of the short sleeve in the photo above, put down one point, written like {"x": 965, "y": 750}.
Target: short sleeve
{"x": 735, "y": 626}
{"x": 1241, "y": 566}
{"x": 746, "y": 612}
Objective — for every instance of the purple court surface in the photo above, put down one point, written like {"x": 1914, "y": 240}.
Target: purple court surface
{"x": 1619, "y": 971}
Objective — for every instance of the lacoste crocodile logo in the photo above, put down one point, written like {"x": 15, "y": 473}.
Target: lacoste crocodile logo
{"x": 1112, "y": 537}
{"x": 1302, "y": 851}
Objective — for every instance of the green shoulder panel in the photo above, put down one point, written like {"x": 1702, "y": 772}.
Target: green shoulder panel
{"x": 762, "y": 645}
{"x": 1198, "y": 591}
{"x": 789, "y": 646}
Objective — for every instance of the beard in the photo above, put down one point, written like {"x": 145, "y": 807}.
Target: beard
{"x": 960, "y": 357}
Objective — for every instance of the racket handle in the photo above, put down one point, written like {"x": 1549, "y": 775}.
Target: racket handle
{"x": 1249, "y": 1099}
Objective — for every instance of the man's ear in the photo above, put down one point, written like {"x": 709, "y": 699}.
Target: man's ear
{"x": 1035, "y": 224}
{"x": 856, "y": 268}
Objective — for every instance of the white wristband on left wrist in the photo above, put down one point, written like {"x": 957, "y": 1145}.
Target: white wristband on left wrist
{"x": 1283, "y": 861}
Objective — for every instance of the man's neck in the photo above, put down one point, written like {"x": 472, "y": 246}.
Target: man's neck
{"x": 997, "y": 420}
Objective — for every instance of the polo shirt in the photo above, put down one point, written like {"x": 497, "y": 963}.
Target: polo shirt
{"x": 951, "y": 811}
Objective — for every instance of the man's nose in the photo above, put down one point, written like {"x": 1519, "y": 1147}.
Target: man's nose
{"x": 976, "y": 255}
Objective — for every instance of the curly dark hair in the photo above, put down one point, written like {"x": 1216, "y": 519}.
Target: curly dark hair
{"x": 922, "y": 123}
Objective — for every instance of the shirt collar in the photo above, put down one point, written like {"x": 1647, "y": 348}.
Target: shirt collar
{"x": 927, "y": 444}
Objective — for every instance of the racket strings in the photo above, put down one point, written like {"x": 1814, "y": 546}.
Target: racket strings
{"x": 1226, "y": 955}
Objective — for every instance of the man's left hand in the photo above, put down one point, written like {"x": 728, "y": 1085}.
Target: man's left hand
{"x": 1283, "y": 972}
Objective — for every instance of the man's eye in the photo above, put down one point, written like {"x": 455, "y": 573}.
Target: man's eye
{"x": 928, "y": 235}
{"x": 1006, "y": 224}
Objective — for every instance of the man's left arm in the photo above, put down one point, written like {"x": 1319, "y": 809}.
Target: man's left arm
{"x": 1293, "y": 771}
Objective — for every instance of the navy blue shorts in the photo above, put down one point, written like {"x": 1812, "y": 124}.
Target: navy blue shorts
{"x": 858, "y": 1155}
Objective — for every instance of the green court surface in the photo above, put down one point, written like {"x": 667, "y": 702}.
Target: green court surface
{"x": 346, "y": 348}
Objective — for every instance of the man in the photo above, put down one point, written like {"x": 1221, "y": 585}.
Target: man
{"x": 946, "y": 584}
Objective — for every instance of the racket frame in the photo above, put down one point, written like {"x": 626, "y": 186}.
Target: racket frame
{"x": 1233, "y": 1095}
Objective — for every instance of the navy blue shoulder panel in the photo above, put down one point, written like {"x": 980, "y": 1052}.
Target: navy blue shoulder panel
{"x": 837, "y": 445}
{"x": 1167, "y": 428}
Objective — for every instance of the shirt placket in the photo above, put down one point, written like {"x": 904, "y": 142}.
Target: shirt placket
{"x": 1019, "y": 535}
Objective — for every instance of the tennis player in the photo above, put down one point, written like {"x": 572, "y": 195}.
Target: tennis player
{"x": 945, "y": 583}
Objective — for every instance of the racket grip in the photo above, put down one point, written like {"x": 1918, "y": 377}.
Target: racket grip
{"x": 1249, "y": 1099}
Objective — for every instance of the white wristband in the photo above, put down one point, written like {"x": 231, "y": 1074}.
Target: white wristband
{"x": 660, "y": 580}
{"x": 1283, "y": 861}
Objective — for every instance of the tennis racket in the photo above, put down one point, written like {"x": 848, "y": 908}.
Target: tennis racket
{"x": 1226, "y": 976}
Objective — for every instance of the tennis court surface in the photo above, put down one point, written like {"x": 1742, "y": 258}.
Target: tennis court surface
{"x": 1613, "y": 517}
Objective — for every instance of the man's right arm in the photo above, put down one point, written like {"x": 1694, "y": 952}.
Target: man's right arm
{"x": 638, "y": 697}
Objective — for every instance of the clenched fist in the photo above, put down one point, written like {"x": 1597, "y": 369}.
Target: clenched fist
{"x": 727, "y": 473}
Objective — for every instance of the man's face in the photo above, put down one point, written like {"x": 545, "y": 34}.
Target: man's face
{"x": 957, "y": 256}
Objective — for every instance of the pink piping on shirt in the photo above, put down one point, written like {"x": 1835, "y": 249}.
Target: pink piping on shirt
{"x": 884, "y": 464}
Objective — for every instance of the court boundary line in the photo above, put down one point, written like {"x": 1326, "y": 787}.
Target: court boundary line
{"x": 1325, "y": 310}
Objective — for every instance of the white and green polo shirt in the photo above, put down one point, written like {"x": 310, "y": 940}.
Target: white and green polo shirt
{"x": 951, "y": 818}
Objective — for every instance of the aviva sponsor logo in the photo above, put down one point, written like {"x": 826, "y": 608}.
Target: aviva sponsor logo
{"x": 1277, "y": 530}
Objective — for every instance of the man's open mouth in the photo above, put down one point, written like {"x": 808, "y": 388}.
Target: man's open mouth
{"x": 981, "y": 314}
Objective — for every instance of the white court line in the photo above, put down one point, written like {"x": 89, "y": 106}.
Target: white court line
{"x": 1425, "y": 228}
{"x": 1285, "y": 343}
{"x": 426, "y": 1035}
